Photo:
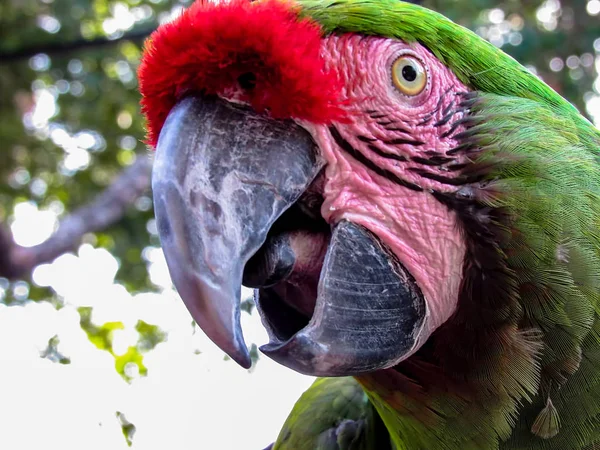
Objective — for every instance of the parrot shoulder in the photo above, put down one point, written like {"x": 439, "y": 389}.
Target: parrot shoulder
{"x": 333, "y": 414}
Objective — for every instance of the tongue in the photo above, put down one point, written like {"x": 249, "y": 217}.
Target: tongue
{"x": 368, "y": 312}
{"x": 287, "y": 271}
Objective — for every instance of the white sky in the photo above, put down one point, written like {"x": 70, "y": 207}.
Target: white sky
{"x": 187, "y": 401}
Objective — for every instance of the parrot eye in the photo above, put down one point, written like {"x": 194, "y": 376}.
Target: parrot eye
{"x": 409, "y": 75}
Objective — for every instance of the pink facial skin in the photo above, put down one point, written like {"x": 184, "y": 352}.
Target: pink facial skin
{"x": 421, "y": 231}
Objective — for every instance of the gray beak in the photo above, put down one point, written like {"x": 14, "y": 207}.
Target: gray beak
{"x": 227, "y": 183}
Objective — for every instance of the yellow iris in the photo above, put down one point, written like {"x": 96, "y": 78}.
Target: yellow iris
{"x": 409, "y": 75}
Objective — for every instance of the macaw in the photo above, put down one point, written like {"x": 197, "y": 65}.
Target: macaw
{"x": 417, "y": 212}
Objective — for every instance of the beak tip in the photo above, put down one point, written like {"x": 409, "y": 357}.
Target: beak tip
{"x": 241, "y": 355}
{"x": 229, "y": 339}
{"x": 245, "y": 361}
{"x": 300, "y": 353}
{"x": 227, "y": 335}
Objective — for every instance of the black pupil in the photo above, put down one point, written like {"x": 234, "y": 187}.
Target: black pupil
{"x": 409, "y": 73}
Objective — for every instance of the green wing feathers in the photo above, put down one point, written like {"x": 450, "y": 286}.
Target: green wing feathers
{"x": 333, "y": 414}
{"x": 545, "y": 174}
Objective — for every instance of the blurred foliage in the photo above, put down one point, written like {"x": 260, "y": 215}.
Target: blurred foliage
{"x": 127, "y": 427}
{"x": 96, "y": 118}
{"x": 535, "y": 33}
{"x": 70, "y": 119}
{"x": 151, "y": 336}
{"x": 88, "y": 129}
{"x": 51, "y": 352}
{"x": 131, "y": 363}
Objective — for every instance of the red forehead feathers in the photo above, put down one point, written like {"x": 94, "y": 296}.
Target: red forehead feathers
{"x": 211, "y": 45}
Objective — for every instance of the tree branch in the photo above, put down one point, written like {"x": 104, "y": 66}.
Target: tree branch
{"x": 106, "y": 209}
{"x": 58, "y": 47}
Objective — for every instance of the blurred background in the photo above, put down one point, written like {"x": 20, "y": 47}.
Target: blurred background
{"x": 96, "y": 349}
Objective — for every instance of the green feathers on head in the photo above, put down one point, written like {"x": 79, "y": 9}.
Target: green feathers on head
{"x": 476, "y": 62}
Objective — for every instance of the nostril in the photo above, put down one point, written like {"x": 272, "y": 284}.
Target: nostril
{"x": 247, "y": 81}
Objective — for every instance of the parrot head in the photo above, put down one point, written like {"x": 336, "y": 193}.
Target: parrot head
{"x": 306, "y": 166}
{"x": 391, "y": 185}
